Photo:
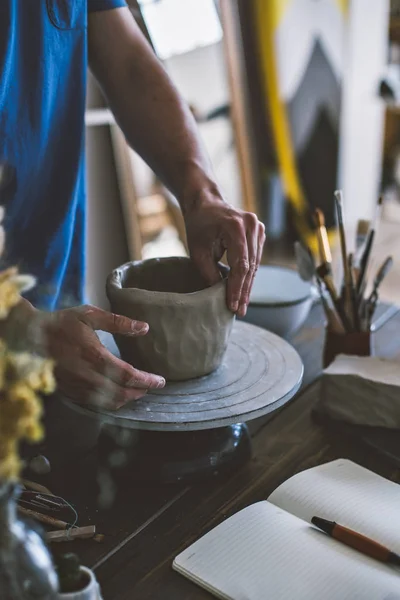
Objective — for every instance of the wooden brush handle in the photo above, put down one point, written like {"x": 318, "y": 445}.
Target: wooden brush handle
{"x": 27, "y": 512}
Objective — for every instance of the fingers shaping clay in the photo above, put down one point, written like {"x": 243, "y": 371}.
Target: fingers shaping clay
{"x": 189, "y": 322}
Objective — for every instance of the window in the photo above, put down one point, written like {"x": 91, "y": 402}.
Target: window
{"x": 179, "y": 26}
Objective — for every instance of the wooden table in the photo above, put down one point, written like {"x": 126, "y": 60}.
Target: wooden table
{"x": 146, "y": 527}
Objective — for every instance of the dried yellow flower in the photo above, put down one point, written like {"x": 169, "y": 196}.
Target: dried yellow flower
{"x": 33, "y": 370}
{"x": 11, "y": 286}
{"x": 22, "y": 378}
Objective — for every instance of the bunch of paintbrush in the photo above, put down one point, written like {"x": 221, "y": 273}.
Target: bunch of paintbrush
{"x": 350, "y": 309}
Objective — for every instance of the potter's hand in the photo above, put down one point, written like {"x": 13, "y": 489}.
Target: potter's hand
{"x": 213, "y": 227}
{"x": 86, "y": 371}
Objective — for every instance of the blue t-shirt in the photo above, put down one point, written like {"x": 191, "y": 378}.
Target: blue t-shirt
{"x": 43, "y": 67}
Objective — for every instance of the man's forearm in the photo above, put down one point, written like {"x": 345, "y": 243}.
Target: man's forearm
{"x": 155, "y": 120}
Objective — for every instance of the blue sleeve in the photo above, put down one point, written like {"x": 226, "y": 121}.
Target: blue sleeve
{"x": 94, "y": 5}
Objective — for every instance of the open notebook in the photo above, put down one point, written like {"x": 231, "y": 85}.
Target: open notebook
{"x": 270, "y": 551}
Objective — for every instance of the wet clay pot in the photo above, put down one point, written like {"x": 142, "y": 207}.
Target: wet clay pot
{"x": 189, "y": 322}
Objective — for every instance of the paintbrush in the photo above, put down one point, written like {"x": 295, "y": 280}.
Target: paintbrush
{"x": 361, "y": 235}
{"x": 307, "y": 271}
{"x": 368, "y": 247}
{"x": 322, "y": 237}
{"x": 363, "y": 227}
{"x": 372, "y": 300}
{"x": 381, "y": 274}
{"x": 327, "y": 279}
{"x": 335, "y": 323}
{"x": 324, "y": 270}
{"x": 354, "y": 303}
{"x": 343, "y": 247}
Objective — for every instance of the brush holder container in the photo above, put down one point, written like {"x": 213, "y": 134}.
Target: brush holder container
{"x": 357, "y": 343}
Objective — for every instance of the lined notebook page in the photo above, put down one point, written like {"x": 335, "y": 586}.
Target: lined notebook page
{"x": 264, "y": 552}
{"x": 347, "y": 493}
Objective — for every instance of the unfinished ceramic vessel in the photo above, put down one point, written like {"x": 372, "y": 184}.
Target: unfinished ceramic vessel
{"x": 190, "y": 323}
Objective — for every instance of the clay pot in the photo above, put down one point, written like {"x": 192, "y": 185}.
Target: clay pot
{"x": 190, "y": 323}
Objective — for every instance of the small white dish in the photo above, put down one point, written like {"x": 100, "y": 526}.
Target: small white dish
{"x": 280, "y": 300}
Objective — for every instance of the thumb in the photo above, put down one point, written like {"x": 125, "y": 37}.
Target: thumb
{"x": 208, "y": 267}
{"x": 102, "y": 320}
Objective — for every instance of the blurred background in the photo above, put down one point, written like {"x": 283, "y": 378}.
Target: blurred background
{"x": 293, "y": 99}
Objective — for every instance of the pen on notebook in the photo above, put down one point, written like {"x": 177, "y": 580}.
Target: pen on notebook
{"x": 357, "y": 541}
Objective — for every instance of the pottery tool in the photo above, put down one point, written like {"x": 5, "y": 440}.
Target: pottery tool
{"x": 83, "y": 533}
{"x": 368, "y": 247}
{"x": 46, "y": 519}
{"x": 33, "y": 504}
{"x": 53, "y": 502}
{"x": 34, "y": 499}
{"x": 372, "y": 300}
{"x": 343, "y": 247}
{"x": 37, "y": 487}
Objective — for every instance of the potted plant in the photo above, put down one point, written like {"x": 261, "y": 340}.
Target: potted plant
{"x": 76, "y": 581}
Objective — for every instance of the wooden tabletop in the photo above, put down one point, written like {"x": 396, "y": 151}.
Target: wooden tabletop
{"x": 147, "y": 526}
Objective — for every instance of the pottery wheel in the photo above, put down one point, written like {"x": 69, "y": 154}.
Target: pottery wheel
{"x": 260, "y": 373}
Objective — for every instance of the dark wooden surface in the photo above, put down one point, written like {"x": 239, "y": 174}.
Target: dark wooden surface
{"x": 147, "y": 526}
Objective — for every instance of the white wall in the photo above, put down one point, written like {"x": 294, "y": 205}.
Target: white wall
{"x": 362, "y": 119}
{"x": 200, "y": 76}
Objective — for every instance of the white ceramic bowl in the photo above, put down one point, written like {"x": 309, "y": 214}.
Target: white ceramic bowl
{"x": 280, "y": 300}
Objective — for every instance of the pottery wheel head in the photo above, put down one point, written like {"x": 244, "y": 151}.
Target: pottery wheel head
{"x": 260, "y": 372}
